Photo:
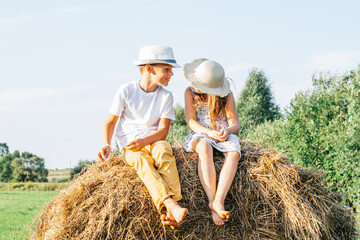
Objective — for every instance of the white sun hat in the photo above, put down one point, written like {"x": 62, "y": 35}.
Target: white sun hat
{"x": 156, "y": 54}
{"x": 207, "y": 76}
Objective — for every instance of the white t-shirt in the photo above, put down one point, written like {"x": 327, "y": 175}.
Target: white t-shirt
{"x": 140, "y": 111}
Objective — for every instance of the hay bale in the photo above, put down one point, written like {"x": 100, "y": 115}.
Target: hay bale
{"x": 271, "y": 198}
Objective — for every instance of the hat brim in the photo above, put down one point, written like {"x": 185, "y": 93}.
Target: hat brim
{"x": 144, "y": 62}
{"x": 189, "y": 70}
{"x": 221, "y": 91}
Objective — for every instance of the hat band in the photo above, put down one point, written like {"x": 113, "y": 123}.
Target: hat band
{"x": 162, "y": 60}
{"x": 203, "y": 83}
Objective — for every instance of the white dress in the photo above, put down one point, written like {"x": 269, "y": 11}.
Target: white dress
{"x": 203, "y": 117}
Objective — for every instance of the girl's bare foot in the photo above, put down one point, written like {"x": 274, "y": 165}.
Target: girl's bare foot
{"x": 216, "y": 218}
{"x": 174, "y": 209}
{"x": 220, "y": 210}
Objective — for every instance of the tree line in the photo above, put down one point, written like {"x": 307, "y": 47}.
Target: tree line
{"x": 21, "y": 167}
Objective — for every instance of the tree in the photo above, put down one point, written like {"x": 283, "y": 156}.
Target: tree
{"x": 79, "y": 167}
{"x": 4, "y": 149}
{"x": 255, "y": 104}
{"x": 5, "y": 166}
{"x": 22, "y": 167}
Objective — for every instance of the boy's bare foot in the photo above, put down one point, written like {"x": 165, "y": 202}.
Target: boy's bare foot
{"x": 174, "y": 209}
{"x": 168, "y": 220}
{"x": 220, "y": 210}
{"x": 217, "y": 220}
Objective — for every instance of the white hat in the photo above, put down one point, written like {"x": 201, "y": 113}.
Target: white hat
{"x": 207, "y": 76}
{"x": 156, "y": 54}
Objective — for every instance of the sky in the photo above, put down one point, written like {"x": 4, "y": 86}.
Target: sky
{"x": 61, "y": 62}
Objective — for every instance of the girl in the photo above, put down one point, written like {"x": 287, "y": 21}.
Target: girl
{"x": 212, "y": 118}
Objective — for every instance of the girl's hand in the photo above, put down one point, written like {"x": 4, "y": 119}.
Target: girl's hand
{"x": 135, "y": 145}
{"x": 223, "y": 135}
{"x": 213, "y": 134}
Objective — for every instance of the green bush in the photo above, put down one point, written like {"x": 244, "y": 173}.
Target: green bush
{"x": 270, "y": 134}
{"x": 321, "y": 130}
{"x": 178, "y": 129}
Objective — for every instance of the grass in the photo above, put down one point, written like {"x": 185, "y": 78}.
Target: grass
{"x": 18, "y": 209}
{"x": 32, "y": 186}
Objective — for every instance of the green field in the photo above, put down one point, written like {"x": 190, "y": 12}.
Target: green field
{"x": 18, "y": 210}
{"x": 58, "y": 174}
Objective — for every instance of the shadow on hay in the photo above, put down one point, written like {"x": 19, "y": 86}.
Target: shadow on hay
{"x": 271, "y": 198}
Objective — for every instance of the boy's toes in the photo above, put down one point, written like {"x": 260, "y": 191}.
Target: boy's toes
{"x": 169, "y": 221}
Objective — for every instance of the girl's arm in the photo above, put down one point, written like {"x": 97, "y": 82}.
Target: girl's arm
{"x": 232, "y": 117}
{"x": 190, "y": 116}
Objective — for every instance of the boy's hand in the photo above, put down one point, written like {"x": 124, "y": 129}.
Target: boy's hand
{"x": 104, "y": 153}
{"x": 223, "y": 135}
{"x": 136, "y": 145}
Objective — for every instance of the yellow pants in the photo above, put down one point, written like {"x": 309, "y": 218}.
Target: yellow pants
{"x": 156, "y": 167}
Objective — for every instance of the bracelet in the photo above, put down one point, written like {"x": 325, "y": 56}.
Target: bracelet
{"x": 107, "y": 145}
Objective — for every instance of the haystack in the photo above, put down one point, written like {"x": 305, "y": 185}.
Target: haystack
{"x": 271, "y": 198}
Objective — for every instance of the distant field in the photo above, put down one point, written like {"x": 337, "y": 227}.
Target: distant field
{"x": 18, "y": 210}
{"x": 58, "y": 174}
{"x": 33, "y": 186}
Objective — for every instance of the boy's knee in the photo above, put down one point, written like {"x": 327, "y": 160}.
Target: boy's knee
{"x": 138, "y": 160}
{"x": 161, "y": 146}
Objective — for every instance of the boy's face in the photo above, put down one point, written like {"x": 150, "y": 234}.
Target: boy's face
{"x": 162, "y": 74}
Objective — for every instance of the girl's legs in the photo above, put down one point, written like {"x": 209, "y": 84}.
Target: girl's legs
{"x": 226, "y": 178}
{"x": 207, "y": 173}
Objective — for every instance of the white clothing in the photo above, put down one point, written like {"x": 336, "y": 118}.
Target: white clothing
{"x": 140, "y": 111}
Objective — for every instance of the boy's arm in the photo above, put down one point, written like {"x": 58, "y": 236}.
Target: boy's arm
{"x": 159, "y": 134}
{"x": 108, "y": 131}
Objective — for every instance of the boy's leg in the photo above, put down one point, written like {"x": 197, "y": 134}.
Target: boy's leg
{"x": 144, "y": 166}
{"x": 165, "y": 163}
{"x": 166, "y": 166}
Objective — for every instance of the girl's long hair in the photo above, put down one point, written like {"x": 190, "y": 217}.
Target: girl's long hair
{"x": 216, "y": 105}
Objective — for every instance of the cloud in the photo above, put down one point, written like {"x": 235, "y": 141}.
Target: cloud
{"x": 335, "y": 61}
{"x": 16, "y": 19}
{"x": 246, "y": 67}
{"x": 241, "y": 67}
{"x": 128, "y": 77}
{"x": 70, "y": 9}
{"x": 21, "y": 95}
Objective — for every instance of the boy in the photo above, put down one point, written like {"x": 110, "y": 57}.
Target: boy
{"x": 144, "y": 110}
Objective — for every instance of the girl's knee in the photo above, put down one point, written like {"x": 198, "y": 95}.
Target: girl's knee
{"x": 203, "y": 144}
{"x": 235, "y": 155}
{"x": 204, "y": 147}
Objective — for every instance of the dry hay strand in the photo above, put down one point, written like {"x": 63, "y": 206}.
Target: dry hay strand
{"x": 270, "y": 198}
